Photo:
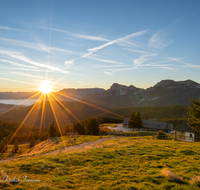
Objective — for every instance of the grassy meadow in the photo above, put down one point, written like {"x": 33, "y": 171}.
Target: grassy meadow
{"x": 122, "y": 163}
{"x": 108, "y": 124}
{"x": 52, "y": 144}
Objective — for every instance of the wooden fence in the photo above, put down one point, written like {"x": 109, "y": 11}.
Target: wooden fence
{"x": 72, "y": 134}
{"x": 177, "y": 137}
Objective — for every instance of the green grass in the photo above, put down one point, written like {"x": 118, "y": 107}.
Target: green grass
{"x": 108, "y": 124}
{"x": 123, "y": 163}
{"x": 175, "y": 114}
{"x": 52, "y": 144}
{"x": 9, "y": 154}
{"x": 132, "y": 134}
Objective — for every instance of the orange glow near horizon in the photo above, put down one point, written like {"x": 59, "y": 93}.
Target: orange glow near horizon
{"x": 65, "y": 107}
{"x": 42, "y": 115}
{"x": 45, "y": 87}
{"x": 46, "y": 95}
{"x": 22, "y": 122}
{"x": 54, "y": 113}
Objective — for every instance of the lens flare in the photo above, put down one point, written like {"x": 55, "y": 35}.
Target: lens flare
{"x": 45, "y": 87}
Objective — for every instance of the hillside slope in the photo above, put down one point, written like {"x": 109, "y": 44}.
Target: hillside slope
{"x": 75, "y": 111}
{"x": 166, "y": 92}
{"x": 175, "y": 114}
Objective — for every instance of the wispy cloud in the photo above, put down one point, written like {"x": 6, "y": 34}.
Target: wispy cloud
{"x": 109, "y": 65}
{"x": 8, "y": 28}
{"x": 17, "y": 64}
{"x": 82, "y": 82}
{"x": 142, "y": 59}
{"x": 26, "y": 69}
{"x": 23, "y": 58}
{"x": 69, "y": 63}
{"x": 184, "y": 63}
{"x": 82, "y": 36}
{"x": 37, "y": 46}
{"x": 104, "y": 60}
{"x": 137, "y": 51}
{"x": 155, "y": 65}
{"x": 123, "y": 39}
{"x": 17, "y": 81}
{"x": 158, "y": 41}
{"x": 28, "y": 75}
{"x": 127, "y": 43}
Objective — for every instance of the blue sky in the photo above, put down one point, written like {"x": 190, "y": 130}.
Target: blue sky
{"x": 85, "y": 44}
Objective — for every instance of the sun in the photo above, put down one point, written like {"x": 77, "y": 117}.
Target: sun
{"x": 45, "y": 87}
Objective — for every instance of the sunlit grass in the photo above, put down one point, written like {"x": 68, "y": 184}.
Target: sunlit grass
{"x": 124, "y": 163}
{"x": 108, "y": 124}
{"x": 56, "y": 143}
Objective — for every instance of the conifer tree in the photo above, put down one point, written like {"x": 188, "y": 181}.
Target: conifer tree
{"x": 4, "y": 145}
{"x": 68, "y": 129}
{"x": 52, "y": 130}
{"x": 20, "y": 150}
{"x": 194, "y": 111}
{"x": 79, "y": 126}
{"x": 131, "y": 122}
{"x": 16, "y": 146}
{"x": 138, "y": 121}
{"x": 32, "y": 142}
{"x": 93, "y": 126}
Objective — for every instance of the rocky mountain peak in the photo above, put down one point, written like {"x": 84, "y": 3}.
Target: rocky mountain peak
{"x": 165, "y": 83}
{"x": 117, "y": 86}
{"x": 118, "y": 89}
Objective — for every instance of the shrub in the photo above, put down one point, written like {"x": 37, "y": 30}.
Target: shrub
{"x": 4, "y": 145}
{"x": 52, "y": 132}
{"x": 16, "y": 146}
{"x": 104, "y": 130}
{"x": 161, "y": 135}
{"x": 20, "y": 150}
{"x": 32, "y": 142}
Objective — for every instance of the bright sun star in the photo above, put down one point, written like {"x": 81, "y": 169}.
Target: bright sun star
{"x": 45, "y": 87}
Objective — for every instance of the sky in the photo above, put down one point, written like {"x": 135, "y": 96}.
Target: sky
{"x": 87, "y": 44}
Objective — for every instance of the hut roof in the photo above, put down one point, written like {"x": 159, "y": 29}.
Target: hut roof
{"x": 185, "y": 128}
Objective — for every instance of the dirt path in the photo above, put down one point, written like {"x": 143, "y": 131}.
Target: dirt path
{"x": 82, "y": 147}
{"x": 120, "y": 128}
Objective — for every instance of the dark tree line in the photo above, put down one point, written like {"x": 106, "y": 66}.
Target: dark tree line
{"x": 3, "y": 145}
{"x": 194, "y": 111}
{"x": 86, "y": 127}
{"x": 110, "y": 120}
{"x": 7, "y": 129}
{"x": 135, "y": 121}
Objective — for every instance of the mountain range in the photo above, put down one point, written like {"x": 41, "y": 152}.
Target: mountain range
{"x": 164, "y": 93}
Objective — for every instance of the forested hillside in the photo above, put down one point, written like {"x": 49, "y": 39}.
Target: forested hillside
{"x": 175, "y": 114}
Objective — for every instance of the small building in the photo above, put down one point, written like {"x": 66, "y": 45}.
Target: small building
{"x": 152, "y": 125}
{"x": 155, "y": 125}
{"x": 189, "y": 134}
{"x": 125, "y": 122}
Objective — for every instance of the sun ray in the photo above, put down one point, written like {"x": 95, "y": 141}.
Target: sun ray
{"x": 42, "y": 115}
{"x": 21, "y": 102}
{"x": 22, "y": 123}
{"x": 35, "y": 114}
{"x": 90, "y": 105}
{"x": 65, "y": 107}
{"x": 54, "y": 113}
